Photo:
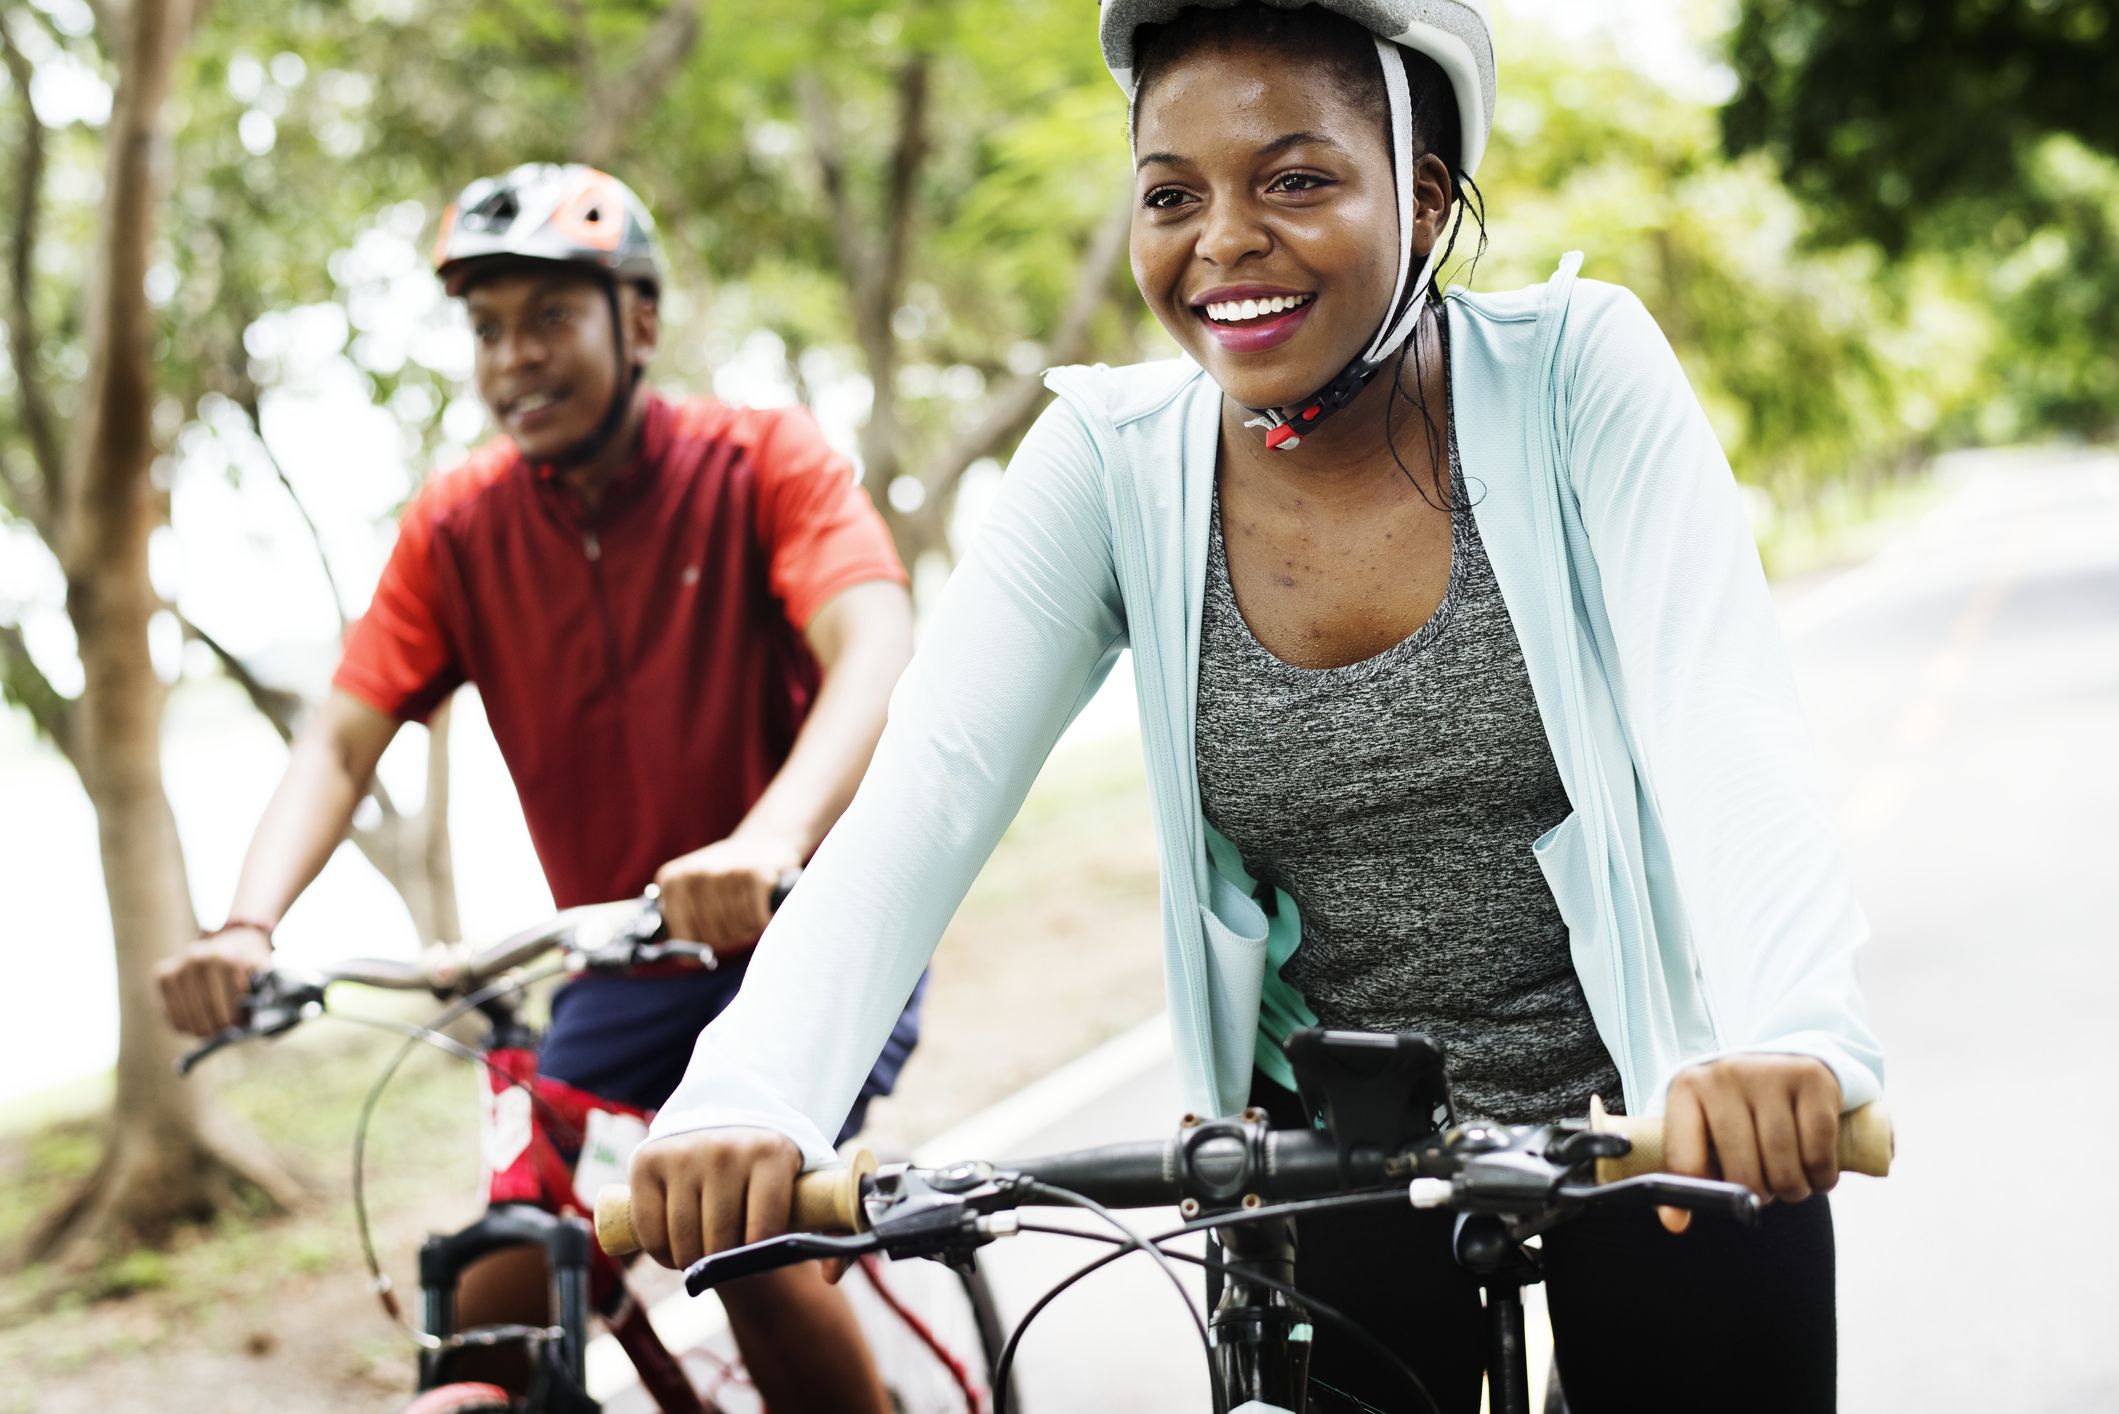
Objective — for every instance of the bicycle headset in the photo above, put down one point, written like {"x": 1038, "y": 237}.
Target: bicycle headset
{"x": 544, "y": 213}
{"x": 1456, "y": 35}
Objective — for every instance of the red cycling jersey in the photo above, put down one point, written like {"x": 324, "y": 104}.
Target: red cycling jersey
{"x": 643, "y": 667}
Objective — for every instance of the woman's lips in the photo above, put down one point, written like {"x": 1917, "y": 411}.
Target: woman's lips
{"x": 1258, "y": 334}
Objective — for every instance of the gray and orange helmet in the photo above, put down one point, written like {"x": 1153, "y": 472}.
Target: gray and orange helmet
{"x": 568, "y": 214}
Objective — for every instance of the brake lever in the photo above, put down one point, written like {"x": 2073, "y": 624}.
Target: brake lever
{"x": 775, "y": 1253}
{"x": 226, "y": 1036}
{"x": 278, "y": 1002}
{"x": 1650, "y": 1190}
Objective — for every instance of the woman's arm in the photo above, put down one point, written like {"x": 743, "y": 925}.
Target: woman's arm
{"x": 1723, "y": 751}
{"x": 1016, "y": 644}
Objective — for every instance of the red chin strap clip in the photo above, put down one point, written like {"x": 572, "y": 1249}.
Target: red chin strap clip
{"x": 1288, "y": 436}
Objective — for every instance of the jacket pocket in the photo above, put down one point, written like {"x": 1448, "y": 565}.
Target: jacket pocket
{"x": 1563, "y": 856}
{"x": 1236, "y": 958}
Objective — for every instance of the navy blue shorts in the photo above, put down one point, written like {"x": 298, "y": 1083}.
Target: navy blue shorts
{"x": 629, "y": 1038}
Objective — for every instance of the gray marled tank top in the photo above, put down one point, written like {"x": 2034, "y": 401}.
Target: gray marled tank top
{"x": 1396, "y": 799}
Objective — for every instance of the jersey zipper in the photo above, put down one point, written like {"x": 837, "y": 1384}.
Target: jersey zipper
{"x": 592, "y": 550}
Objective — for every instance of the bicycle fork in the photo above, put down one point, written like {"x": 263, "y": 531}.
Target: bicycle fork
{"x": 1261, "y": 1339}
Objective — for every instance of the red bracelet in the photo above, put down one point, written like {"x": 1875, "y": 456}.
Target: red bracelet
{"x": 234, "y": 923}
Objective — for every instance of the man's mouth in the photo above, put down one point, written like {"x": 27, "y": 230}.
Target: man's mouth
{"x": 1238, "y": 312}
{"x": 530, "y": 404}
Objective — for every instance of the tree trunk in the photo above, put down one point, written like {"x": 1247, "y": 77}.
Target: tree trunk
{"x": 439, "y": 861}
{"x": 412, "y": 851}
{"x": 170, "y": 1159}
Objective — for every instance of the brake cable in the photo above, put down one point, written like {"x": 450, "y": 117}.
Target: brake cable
{"x": 1317, "y": 1309}
{"x": 1132, "y": 1242}
{"x": 430, "y": 1033}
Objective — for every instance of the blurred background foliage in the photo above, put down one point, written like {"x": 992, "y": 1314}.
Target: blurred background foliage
{"x": 1860, "y": 261}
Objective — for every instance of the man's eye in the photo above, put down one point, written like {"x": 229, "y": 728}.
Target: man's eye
{"x": 485, "y": 333}
{"x": 552, "y": 315}
{"x": 1296, "y": 181}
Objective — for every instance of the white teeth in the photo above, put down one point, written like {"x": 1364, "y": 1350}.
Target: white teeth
{"x": 1233, "y": 311}
{"x": 534, "y": 402}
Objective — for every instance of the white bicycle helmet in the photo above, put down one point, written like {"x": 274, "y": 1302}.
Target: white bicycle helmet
{"x": 1453, "y": 33}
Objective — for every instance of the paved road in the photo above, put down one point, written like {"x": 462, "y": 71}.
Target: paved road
{"x": 1964, "y": 689}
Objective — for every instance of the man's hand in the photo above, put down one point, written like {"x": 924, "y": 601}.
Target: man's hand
{"x": 1769, "y": 1122}
{"x": 710, "y": 1190}
{"x": 204, "y": 987}
{"x": 722, "y": 895}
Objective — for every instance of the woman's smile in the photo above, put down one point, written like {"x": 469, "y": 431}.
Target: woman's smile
{"x": 1250, "y": 318}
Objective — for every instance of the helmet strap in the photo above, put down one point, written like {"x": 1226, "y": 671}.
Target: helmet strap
{"x": 593, "y": 446}
{"x": 1287, "y": 426}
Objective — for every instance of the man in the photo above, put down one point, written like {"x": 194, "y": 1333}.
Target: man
{"x": 684, "y": 621}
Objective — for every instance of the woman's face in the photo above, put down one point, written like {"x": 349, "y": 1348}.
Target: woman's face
{"x": 1266, "y": 235}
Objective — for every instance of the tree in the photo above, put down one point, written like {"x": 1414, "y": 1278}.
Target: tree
{"x": 944, "y": 224}
{"x": 95, "y": 501}
{"x": 1982, "y": 133}
{"x": 1880, "y": 111}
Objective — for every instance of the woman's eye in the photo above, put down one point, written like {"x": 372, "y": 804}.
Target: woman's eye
{"x": 552, "y": 316}
{"x": 485, "y": 333}
{"x": 1296, "y": 181}
{"x": 1165, "y": 198}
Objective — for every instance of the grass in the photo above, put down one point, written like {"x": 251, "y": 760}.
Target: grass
{"x": 301, "y": 1093}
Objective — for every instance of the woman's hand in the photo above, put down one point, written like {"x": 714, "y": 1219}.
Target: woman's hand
{"x": 1769, "y": 1122}
{"x": 712, "y": 1189}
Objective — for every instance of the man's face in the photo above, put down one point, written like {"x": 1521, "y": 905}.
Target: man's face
{"x": 547, "y": 365}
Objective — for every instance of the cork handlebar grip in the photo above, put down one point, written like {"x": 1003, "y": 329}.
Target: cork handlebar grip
{"x": 826, "y": 1200}
{"x": 1866, "y": 1142}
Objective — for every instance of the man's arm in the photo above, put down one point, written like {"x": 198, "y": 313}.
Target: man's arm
{"x": 328, "y": 769}
{"x": 722, "y": 895}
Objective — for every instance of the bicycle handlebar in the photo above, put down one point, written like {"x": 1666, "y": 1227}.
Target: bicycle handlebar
{"x": 1867, "y": 1143}
{"x": 1298, "y": 1163}
{"x": 615, "y": 935}
{"x": 826, "y": 1200}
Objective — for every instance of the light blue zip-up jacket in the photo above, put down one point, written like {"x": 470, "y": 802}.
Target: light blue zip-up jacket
{"x": 1706, "y": 903}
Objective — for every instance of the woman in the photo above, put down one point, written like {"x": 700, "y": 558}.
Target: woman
{"x": 1464, "y": 711}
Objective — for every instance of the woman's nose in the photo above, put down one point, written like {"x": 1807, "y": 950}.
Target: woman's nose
{"x": 1231, "y": 233}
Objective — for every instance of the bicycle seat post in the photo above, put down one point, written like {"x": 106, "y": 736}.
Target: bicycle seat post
{"x": 1503, "y": 1267}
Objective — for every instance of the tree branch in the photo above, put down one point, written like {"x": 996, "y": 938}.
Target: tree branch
{"x": 584, "y": 46}
{"x": 108, "y": 461}
{"x": 901, "y": 196}
{"x": 249, "y": 403}
{"x": 24, "y": 684}
{"x": 1006, "y": 412}
{"x": 849, "y": 237}
{"x": 615, "y": 106}
{"x": 38, "y": 420}
{"x": 276, "y": 704}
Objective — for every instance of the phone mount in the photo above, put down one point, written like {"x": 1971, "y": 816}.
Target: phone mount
{"x": 1369, "y": 1090}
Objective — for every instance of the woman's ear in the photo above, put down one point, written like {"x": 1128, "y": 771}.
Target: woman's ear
{"x": 1432, "y": 188}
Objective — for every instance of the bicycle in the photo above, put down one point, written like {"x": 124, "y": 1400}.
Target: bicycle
{"x": 534, "y": 1191}
{"x": 1385, "y": 1134}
